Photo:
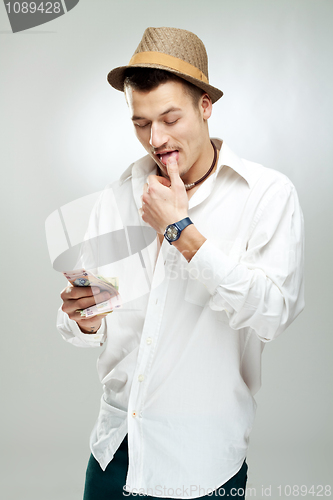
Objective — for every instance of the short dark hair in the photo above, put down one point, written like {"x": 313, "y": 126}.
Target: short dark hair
{"x": 146, "y": 79}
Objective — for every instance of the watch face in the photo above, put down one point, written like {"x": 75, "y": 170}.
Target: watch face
{"x": 172, "y": 232}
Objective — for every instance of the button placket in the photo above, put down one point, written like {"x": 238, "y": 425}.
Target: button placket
{"x": 149, "y": 336}
{"x": 146, "y": 353}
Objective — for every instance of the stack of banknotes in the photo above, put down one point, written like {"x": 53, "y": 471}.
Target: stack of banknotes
{"x": 81, "y": 277}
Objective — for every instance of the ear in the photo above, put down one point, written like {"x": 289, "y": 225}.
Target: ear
{"x": 206, "y": 106}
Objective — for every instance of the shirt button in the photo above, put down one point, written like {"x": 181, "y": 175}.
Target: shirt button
{"x": 149, "y": 340}
{"x": 141, "y": 378}
{"x": 133, "y": 413}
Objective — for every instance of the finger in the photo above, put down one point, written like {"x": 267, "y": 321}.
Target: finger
{"x": 72, "y": 306}
{"x": 164, "y": 181}
{"x": 85, "y": 302}
{"x": 155, "y": 180}
{"x": 154, "y": 184}
{"x": 173, "y": 171}
{"x": 145, "y": 194}
{"x": 76, "y": 292}
{"x": 94, "y": 321}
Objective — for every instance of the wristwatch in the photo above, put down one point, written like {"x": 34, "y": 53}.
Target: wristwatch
{"x": 173, "y": 231}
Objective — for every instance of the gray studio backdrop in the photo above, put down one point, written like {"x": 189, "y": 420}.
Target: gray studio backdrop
{"x": 66, "y": 134}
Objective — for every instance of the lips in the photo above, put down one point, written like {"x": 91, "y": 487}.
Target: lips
{"x": 164, "y": 156}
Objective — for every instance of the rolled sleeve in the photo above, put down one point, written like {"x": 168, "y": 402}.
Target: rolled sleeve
{"x": 211, "y": 266}
{"x": 263, "y": 288}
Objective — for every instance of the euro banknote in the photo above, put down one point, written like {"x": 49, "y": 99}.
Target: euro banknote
{"x": 81, "y": 277}
{"x": 102, "y": 308}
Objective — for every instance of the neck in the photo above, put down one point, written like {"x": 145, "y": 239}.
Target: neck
{"x": 202, "y": 165}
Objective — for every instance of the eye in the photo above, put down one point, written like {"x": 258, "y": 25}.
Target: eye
{"x": 141, "y": 126}
{"x": 172, "y": 123}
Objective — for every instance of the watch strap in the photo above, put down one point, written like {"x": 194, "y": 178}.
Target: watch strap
{"x": 183, "y": 223}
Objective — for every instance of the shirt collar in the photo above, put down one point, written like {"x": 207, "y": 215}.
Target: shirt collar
{"x": 227, "y": 158}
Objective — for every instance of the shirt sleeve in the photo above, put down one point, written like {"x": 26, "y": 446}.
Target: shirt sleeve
{"x": 70, "y": 331}
{"x": 264, "y": 288}
{"x": 68, "y": 328}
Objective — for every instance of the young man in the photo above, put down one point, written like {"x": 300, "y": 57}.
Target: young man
{"x": 221, "y": 276}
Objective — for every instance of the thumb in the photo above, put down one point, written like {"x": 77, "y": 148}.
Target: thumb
{"x": 173, "y": 170}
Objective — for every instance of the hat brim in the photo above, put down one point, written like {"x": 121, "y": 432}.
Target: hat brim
{"x": 116, "y": 79}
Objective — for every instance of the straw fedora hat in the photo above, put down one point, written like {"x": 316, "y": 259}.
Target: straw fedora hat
{"x": 178, "y": 51}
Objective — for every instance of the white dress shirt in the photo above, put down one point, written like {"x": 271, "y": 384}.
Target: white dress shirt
{"x": 181, "y": 359}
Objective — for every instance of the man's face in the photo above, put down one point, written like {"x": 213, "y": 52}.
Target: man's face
{"x": 167, "y": 122}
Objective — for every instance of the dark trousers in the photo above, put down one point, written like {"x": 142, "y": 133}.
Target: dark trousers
{"x": 109, "y": 484}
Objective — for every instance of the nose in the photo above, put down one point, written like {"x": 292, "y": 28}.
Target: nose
{"x": 158, "y": 137}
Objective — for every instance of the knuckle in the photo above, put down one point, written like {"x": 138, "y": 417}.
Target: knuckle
{"x": 83, "y": 291}
{"x": 81, "y": 304}
{"x": 74, "y": 293}
{"x": 65, "y": 293}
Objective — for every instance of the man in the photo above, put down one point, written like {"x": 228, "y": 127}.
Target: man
{"x": 222, "y": 277}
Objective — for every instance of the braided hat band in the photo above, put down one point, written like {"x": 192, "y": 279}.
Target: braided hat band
{"x": 177, "y": 51}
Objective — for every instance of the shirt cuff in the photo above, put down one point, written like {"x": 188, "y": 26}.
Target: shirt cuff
{"x": 98, "y": 337}
{"x": 70, "y": 331}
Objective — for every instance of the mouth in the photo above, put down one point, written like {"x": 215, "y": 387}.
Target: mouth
{"x": 164, "y": 156}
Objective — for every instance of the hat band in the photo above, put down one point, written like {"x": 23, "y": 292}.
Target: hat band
{"x": 170, "y": 62}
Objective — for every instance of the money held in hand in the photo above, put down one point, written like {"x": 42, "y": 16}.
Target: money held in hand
{"x": 102, "y": 307}
{"x": 81, "y": 277}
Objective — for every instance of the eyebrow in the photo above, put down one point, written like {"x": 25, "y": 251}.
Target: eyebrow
{"x": 169, "y": 110}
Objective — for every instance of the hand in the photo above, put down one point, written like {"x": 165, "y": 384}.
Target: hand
{"x": 81, "y": 297}
{"x": 164, "y": 201}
